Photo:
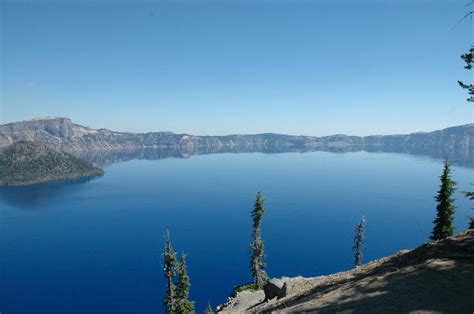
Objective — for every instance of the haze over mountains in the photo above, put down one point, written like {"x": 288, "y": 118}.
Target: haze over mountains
{"x": 104, "y": 146}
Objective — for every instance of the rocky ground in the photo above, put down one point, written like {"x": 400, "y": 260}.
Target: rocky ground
{"x": 437, "y": 277}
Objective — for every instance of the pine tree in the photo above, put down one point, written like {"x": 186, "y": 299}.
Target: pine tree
{"x": 470, "y": 195}
{"x": 209, "y": 309}
{"x": 170, "y": 263}
{"x": 183, "y": 304}
{"x": 359, "y": 239}
{"x": 257, "y": 265}
{"x": 443, "y": 223}
{"x": 468, "y": 58}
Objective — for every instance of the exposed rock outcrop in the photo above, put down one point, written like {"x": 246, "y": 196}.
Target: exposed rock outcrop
{"x": 275, "y": 288}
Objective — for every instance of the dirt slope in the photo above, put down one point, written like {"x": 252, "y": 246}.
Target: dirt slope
{"x": 437, "y": 277}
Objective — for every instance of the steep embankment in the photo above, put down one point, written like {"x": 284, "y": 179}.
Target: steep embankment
{"x": 64, "y": 135}
{"x": 437, "y": 277}
{"x": 33, "y": 162}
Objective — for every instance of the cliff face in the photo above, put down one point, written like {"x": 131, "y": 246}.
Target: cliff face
{"x": 434, "y": 278}
{"x": 64, "y": 135}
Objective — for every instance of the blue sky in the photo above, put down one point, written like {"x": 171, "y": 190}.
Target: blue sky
{"x": 220, "y": 67}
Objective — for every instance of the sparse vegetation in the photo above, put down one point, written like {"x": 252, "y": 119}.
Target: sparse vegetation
{"x": 252, "y": 286}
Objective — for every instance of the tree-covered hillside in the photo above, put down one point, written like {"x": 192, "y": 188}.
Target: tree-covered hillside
{"x": 33, "y": 162}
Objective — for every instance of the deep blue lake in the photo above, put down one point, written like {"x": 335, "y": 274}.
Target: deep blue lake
{"x": 95, "y": 247}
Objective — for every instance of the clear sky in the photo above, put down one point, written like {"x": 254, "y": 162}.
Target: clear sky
{"x": 219, "y": 67}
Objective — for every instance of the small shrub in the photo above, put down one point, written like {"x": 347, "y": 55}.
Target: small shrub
{"x": 247, "y": 286}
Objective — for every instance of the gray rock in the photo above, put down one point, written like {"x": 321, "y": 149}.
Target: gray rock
{"x": 275, "y": 288}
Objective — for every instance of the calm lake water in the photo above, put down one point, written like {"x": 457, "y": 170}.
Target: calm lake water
{"x": 95, "y": 247}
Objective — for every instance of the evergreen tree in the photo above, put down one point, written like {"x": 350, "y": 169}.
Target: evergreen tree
{"x": 470, "y": 195}
{"x": 443, "y": 223}
{"x": 170, "y": 263}
{"x": 257, "y": 265}
{"x": 359, "y": 239}
{"x": 183, "y": 304}
{"x": 468, "y": 58}
{"x": 209, "y": 309}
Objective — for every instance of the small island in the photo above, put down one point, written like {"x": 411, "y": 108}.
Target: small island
{"x": 26, "y": 162}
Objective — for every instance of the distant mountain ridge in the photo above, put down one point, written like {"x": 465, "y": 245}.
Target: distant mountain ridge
{"x": 63, "y": 134}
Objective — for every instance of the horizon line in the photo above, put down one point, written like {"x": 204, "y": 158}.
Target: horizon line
{"x": 231, "y": 134}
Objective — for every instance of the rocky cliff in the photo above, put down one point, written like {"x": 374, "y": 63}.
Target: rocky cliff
{"x": 61, "y": 133}
{"x": 436, "y": 277}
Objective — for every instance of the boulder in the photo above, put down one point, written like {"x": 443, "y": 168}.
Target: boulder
{"x": 275, "y": 288}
